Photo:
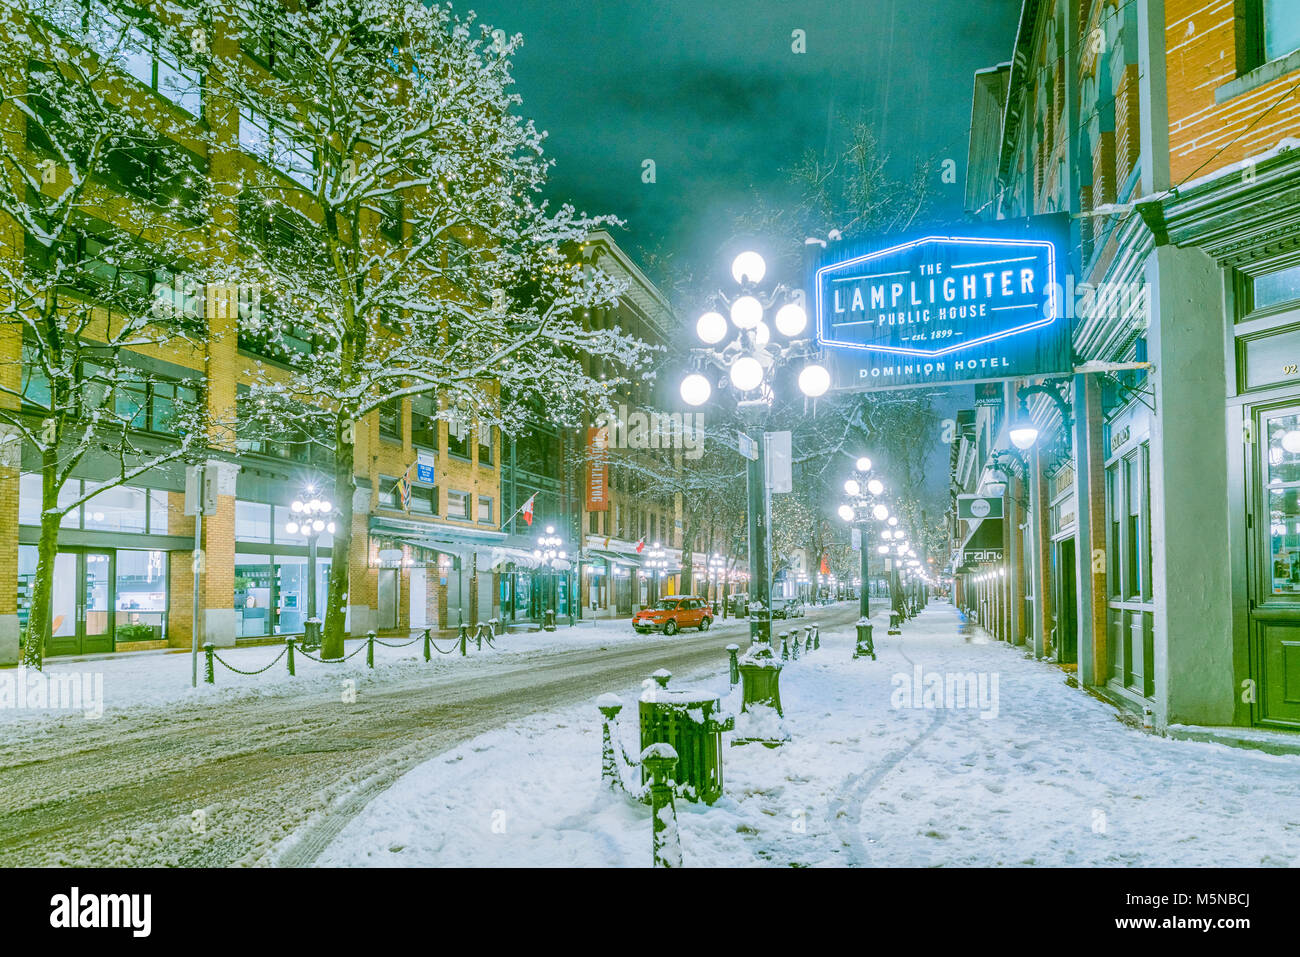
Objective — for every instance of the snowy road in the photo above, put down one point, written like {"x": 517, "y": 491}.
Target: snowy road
{"x": 222, "y": 781}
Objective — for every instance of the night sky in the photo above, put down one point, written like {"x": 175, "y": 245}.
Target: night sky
{"x": 712, "y": 91}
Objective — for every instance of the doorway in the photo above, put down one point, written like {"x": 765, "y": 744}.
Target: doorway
{"x": 81, "y": 622}
{"x": 1273, "y": 564}
{"x": 1066, "y": 604}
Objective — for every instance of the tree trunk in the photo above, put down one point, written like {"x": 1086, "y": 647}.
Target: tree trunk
{"x": 47, "y": 549}
{"x": 334, "y": 631}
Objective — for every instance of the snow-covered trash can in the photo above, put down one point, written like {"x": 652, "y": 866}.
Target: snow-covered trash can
{"x": 865, "y": 645}
{"x": 692, "y": 721}
{"x": 761, "y": 716}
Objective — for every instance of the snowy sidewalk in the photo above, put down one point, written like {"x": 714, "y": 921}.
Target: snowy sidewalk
{"x": 1026, "y": 771}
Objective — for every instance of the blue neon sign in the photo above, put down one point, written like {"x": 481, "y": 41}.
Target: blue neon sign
{"x": 971, "y": 306}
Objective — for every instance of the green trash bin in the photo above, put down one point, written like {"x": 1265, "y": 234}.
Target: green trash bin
{"x": 692, "y": 722}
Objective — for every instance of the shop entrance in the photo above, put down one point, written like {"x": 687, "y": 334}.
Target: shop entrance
{"x": 1273, "y": 566}
{"x": 82, "y": 603}
{"x": 1066, "y": 604}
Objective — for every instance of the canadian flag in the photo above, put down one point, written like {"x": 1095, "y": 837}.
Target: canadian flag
{"x": 527, "y": 510}
{"x": 640, "y": 545}
{"x": 826, "y": 565}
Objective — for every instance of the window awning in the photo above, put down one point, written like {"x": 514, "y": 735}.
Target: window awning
{"x": 983, "y": 544}
{"x": 619, "y": 558}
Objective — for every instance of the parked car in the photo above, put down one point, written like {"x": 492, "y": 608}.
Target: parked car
{"x": 790, "y": 608}
{"x": 671, "y": 615}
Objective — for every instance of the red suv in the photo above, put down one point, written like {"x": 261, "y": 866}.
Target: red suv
{"x": 671, "y": 615}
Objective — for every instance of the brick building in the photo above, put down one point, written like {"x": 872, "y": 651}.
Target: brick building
{"x": 1154, "y": 545}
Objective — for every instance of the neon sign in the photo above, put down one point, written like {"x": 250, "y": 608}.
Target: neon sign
{"x": 967, "y": 307}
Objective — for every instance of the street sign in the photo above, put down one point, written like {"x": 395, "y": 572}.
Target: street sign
{"x": 424, "y": 462}
{"x": 747, "y": 446}
{"x": 980, "y": 304}
{"x": 979, "y": 506}
{"x": 200, "y": 490}
{"x": 780, "y": 477}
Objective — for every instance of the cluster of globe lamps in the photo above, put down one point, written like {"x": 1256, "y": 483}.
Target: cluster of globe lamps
{"x": 749, "y": 358}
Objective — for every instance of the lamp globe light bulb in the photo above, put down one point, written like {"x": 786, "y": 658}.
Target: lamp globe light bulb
{"x": 330, "y": 528}
{"x": 1291, "y": 441}
{"x": 748, "y": 267}
{"x": 846, "y": 512}
{"x": 893, "y": 520}
{"x": 550, "y": 529}
{"x": 296, "y": 506}
{"x": 863, "y": 464}
{"x": 791, "y": 319}
{"x": 1024, "y": 435}
{"x": 882, "y": 550}
{"x": 696, "y": 389}
{"x": 762, "y": 334}
{"x": 711, "y": 328}
{"x": 814, "y": 381}
{"x": 326, "y": 506}
{"x": 876, "y": 487}
{"x": 746, "y": 373}
{"x": 318, "y": 525}
{"x": 851, "y": 487}
{"x": 291, "y": 528}
{"x": 880, "y": 512}
{"x": 746, "y": 312}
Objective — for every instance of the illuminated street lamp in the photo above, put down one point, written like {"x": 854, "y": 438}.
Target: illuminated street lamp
{"x": 864, "y": 510}
{"x": 742, "y": 355}
{"x": 311, "y": 517}
{"x": 550, "y": 553}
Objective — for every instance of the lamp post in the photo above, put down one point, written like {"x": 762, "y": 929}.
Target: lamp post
{"x": 863, "y": 509}
{"x": 550, "y": 551}
{"x": 657, "y": 562}
{"x": 1023, "y": 432}
{"x": 717, "y": 570}
{"x": 311, "y": 517}
{"x": 750, "y": 361}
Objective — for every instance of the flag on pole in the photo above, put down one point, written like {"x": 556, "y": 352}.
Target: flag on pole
{"x": 404, "y": 488}
{"x": 826, "y": 565}
{"x": 527, "y": 510}
{"x": 640, "y": 544}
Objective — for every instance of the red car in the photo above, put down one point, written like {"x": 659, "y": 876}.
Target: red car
{"x": 671, "y": 615}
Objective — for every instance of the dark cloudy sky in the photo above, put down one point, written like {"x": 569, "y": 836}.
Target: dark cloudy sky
{"x": 713, "y": 93}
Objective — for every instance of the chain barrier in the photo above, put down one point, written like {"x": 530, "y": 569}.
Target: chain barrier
{"x": 333, "y": 661}
{"x": 405, "y": 644}
{"x": 258, "y": 671}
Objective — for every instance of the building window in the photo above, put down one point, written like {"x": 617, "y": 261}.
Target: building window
{"x": 151, "y": 405}
{"x": 144, "y": 56}
{"x": 252, "y": 521}
{"x": 424, "y": 499}
{"x": 593, "y": 523}
{"x": 274, "y": 143}
{"x": 458, "y": 438}
{"x": 390, "y": 419}
{"x": 1266, "y": 30}
{"x": 141, "y": 595}
{"x": 118, "y": 508}
{"x": 458, "y": 505}
{"x": 391, "y": 216}
{"x": 424, "y": 422}
{"x": 1277, "y": 288}
{"x": 485, "y": 445}
{"x": 485, "y": 510}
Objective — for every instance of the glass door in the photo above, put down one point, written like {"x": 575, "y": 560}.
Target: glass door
{"x": 82, "y": 600}
{"x": 1274, "y": 604}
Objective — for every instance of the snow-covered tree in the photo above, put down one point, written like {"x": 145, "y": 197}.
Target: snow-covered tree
{"x": 400, "y": 231}
{"x": 100, "y": 207}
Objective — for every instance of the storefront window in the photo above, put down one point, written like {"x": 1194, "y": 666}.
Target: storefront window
{"x": 252, "y": 522}
{"x": 1133, "y": 527}
{"x": 120, "y": 509}
{"x": 252, "y": 595}
{"x": 141, "y": 595}
{"x": 1277, "y": 287}
{"x": 158, "y": 508}
{"x": 1282, "y": 489}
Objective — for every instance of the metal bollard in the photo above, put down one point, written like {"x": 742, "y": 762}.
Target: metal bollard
{"x": 370, "y": 648}
{"x": 662, "y": 677}
{"x": 288, "y": 655}
{"x": 464, "y": 637}
{"x": 209, "y": 667}
{"x": 609, "y": 706}
{"x": 785, "y": 647}
{"x": 817, "y": 637}
{"x": 478, "y": 636}
{"x": 659, "y": 760}
{"x": 735, "y": 665}
{"x": 427, "y": 649}
{"x": 794, "y": 643}
{"x": 807, "y": 639}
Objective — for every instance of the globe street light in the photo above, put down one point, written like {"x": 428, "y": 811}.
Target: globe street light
{"x": 863, "y": 510}
{"x": 717, "y": 572}
{"x": 311, "y": 517}
{"x": 550, "y": 552}
{"x": 743, "y": 357}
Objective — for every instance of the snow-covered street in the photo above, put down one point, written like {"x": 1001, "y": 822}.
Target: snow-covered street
{"x": 1029, "y": 771}
{"x": 219, "y": 776}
